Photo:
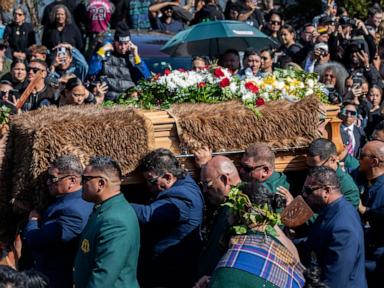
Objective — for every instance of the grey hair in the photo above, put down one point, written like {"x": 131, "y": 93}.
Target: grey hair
{"x": 338, "y": 70}
{"x": 70, "y": 164}
{"x": 52, "y": 15}
{"x": 106, "y": 165}
{"x": 22, "y": 8}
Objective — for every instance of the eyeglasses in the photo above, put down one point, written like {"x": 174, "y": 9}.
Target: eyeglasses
{"x": 349, "y": 113}
{"x": 18, "y": 14}
{"x": 275, "y": 22}
{"x": 54, "y": 179}
{"x": 248, "y": 169}
{"x": 365, "y": 155}
{"x": 85, "y": 179}
{"x": 152, "y": 181}
{"x": 209, "y": 183}
{"x": 35, "y": 69}
{"x": 309, "y": 190}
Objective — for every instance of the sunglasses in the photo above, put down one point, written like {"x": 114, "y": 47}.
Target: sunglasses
{"x": 349, "y": 113}
{"x": 248, "y": 169}
{"x": 275, "y": 22}
{"x": 365, "y": 155}
{"x": 85, "y": 179}
{"x": 153, "y": 181}
{"x": 18, "y": 14}
{"x": 35, "y": 69}
{"x": 54, "y": 179}
{"x": 309, "y": 190}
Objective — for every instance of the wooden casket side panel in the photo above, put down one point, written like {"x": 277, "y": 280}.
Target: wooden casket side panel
{"x": 290, "y": 160}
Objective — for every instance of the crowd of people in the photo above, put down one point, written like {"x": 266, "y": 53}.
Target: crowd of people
{"x": 90, "y": 236}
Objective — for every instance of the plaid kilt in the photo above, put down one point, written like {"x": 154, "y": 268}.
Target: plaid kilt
{"x": 264, "y": 257}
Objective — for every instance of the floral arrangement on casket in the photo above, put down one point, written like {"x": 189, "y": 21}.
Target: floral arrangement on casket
{"x": 216, "y": 84}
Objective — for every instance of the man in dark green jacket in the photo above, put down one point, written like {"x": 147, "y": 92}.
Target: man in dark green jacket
{"x": 258, "y": 164}
{"x": 109, "y": 244}
{"x": 322, "y": 152}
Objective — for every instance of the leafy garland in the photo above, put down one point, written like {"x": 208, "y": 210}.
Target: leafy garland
{"x": 4, "y": 114}
{"x": 248, "y": 215}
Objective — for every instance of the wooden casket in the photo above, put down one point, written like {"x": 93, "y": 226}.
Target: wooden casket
{"x": 287, "y": 159}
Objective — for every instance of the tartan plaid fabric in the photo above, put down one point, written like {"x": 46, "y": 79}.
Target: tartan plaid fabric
{"x": 264, "y": 257}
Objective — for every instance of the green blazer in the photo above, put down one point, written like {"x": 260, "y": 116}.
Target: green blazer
{"x": 275, "y": 180}
{"x": 109, "y": 247}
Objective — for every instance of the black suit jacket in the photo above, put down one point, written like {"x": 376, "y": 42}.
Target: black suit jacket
{"x": 358, "y": 134}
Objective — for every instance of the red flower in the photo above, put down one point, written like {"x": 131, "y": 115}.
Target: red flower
{"x": 259, "y": 102}
{"x": 181, "y": 70}
{"x": 167, "y": 72}
{"x": 252, "y": 87}
{"x": 201, "y": 84}
{"x": 224, "y": 83}
{"x": 218, "y": 73}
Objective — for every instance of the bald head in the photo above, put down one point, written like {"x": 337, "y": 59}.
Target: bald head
{"x": 223, "y": 165}
{"x": 372, "y": 159}
{"x": 376, "y": 148}
{"x": 218, "y": 176}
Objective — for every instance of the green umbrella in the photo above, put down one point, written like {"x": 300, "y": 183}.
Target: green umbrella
{"x": 214, "y": 38}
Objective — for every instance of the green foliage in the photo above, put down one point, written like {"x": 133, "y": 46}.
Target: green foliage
{"x": 248, "y": 215}
{"x": 357, "y": 8}
{"x": 4, "y": 114}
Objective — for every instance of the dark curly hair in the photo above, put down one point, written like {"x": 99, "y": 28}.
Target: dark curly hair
{"x": 161, "y": 161}
{"x": 260, "y": 195}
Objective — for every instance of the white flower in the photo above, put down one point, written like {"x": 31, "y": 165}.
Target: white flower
{"x": 233, "y": 87}
{"x": 308, "y": 92}
{"x": 247, "y": 97}
{"x": 280, "y": 85}
{"x": 310, "y": 83}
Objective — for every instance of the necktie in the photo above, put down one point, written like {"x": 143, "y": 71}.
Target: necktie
{"x": 350, "y": 140}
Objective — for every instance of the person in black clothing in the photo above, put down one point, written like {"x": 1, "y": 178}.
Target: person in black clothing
{"x": 274, "y": 22}
{"x": 61, "y": 29}
{"x": 251, "y": 14}
{"x": 290, "y": 50}
{"x": 70, "y": 4}
{"x": 375, "y": 97}
{"x": 19, "y": 34}
{"x": 211, "y": 11}
{"x": 18, "y": 75}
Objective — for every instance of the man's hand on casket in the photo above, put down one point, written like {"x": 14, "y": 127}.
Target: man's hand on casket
{"x": 202, "y": 156}
{"x": 285, "y": 193}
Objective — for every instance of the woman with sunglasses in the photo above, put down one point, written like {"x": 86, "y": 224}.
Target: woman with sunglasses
{"x": 19, "y": 34}
{"x": 273, "y": 26}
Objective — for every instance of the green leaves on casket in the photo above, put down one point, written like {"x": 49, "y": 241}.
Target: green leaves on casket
{"x": 248, "y": 216}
